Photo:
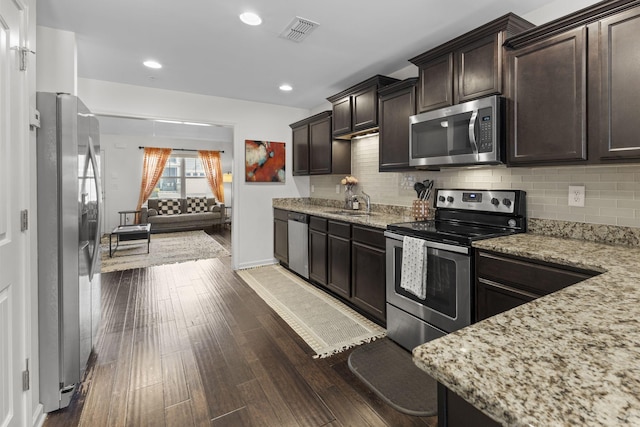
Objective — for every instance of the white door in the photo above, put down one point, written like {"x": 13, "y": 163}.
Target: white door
{"x": 13, "y": 140}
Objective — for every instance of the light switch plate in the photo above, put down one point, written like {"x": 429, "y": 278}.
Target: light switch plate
{"x": 576, "y": 195}
{"x": 337, "y": 188}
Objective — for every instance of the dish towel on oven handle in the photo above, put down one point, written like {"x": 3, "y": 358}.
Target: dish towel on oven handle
{"x": 413, "y": 276}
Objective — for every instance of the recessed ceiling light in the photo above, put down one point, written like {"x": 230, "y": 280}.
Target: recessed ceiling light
{"x": 250, "y": 18}
{"x": 152, "y": 64}
{"x": 286, "y": 87}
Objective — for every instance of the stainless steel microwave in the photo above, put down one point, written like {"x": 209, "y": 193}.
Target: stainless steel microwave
{"x": 465, "y": 134}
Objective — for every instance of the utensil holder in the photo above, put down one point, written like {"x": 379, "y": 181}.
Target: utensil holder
{"x": 421, "y": 210}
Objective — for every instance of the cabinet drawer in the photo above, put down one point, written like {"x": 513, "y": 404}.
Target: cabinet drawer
{"x": 318, "y": 224}
{"x": 280, "y": 214}
{"x": 341, "y": 229}
{"x": 368, "y": 236}
{"x": 541, "y": 279}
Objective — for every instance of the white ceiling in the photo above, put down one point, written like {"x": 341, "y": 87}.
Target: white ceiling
{"x": 205, "y": 49}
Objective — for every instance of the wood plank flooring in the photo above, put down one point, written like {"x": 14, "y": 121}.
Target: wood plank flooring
{"x": 191, "y": 344}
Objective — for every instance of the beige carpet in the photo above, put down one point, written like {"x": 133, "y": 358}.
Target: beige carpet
{"x": 325, "y": 323}
{"x": 165, "y": 248}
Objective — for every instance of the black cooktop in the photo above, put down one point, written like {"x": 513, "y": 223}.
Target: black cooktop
{"x": 463, "y": 216}
{"x": 446, "y": 231}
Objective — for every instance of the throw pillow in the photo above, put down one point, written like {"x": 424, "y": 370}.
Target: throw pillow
{"x": 196, "y": 204}
{"x": 168, "y": 207}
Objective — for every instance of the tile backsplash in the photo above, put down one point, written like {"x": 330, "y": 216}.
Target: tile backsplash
{"x": 612, "y": 191}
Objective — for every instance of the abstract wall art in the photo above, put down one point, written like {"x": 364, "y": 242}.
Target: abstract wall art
{"x": 264, "y": 161}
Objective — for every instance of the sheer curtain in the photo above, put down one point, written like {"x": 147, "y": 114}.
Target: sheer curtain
{"x": 213, "y": 169}
{"x": 152, "y": 167}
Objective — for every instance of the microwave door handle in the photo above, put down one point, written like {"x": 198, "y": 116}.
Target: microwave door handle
{"x": 472, "y": 134}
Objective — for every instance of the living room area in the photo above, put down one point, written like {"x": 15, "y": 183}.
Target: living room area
{"x": 183, "y": 212}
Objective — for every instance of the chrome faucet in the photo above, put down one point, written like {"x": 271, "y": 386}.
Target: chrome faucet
{"x": 367, "y": 202}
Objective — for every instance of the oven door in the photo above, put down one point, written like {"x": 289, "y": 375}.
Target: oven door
{"x": 447, "y": 305}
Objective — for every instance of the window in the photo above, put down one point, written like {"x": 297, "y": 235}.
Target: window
{"x": 183, "y": 176}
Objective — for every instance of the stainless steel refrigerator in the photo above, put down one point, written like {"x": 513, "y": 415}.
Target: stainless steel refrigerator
{"x": 69, "y": 215}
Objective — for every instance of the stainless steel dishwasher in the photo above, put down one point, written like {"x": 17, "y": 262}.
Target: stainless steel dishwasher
{"x": 298, "y": 241}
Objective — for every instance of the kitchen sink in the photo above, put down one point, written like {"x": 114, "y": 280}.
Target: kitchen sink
{"x": 349, "y": 213}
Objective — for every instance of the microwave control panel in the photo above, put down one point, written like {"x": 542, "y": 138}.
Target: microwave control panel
{"x": 485, "y": 140}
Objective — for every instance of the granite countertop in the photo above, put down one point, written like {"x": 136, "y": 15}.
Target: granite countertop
{"x": 569, "y": 358}
{"x": 380, "y": 216}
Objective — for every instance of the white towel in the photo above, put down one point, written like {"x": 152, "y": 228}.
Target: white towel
{"x": 414, "y": 266}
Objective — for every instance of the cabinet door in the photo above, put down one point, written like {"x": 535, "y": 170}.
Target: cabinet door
{"x": 365, "y": 109}
{"x": 435, "y": 84}
{"x": 368, "y": 275}
{"x": 300, "y": 136}
{"x": 479, "y": 69}
{"x": 393, "y": 140}
{"x": 620, "y": 86}
{"x": 493, "y": 298}
{"x": 281, "y": 240}
{"x": 549, "y": 105}
{"x": 342, "y": 116}
{"x": 339, "y": 253}
{"x": 318, "y": 257}
{"x": 320, "y": 147}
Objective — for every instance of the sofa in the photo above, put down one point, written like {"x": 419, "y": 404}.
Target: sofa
{"x": 191, "y": 213}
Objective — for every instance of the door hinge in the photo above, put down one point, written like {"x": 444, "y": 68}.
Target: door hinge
{"x": 25, "y": 378}
{"x": 24, "y": 220}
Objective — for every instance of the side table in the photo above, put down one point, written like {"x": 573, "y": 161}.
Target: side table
{"x": 129, "y": 232}
{"x": 123, "y": 216}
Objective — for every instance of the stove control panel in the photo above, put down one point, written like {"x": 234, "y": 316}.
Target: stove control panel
{"x": 502, "y": 201}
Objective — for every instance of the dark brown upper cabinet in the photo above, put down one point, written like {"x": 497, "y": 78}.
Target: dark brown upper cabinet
{"x": 468, "y": 67}
{"x": 620, "y": 86}
{"x": 355, "y": 110}
{"x": 575, "y": 89}
{"x": 397, "y": 102}
{"x": 314, "y": 151}
{"x": 549, "y": 100}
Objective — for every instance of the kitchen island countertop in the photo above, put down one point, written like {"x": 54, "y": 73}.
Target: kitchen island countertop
{"x": 568, "y": 358}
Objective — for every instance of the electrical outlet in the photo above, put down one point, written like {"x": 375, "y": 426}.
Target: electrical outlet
{"x": 313, "y": 188}
{"x": 337, "y": 188}
{"x": 576, "y": 195}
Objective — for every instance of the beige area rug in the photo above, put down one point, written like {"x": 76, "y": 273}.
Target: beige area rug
{"x": 165, "y": 248}
{"x": 325, "y": 323}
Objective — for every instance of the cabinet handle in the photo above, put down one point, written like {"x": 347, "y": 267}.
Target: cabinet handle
{"x": 507, "y": 288}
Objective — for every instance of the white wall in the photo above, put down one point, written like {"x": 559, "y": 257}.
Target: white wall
{"x": 57, "y": 61}
{"x": 252, "y": 229}
{"x": 122, "y": 162}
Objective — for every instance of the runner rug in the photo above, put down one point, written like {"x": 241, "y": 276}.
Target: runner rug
{"x": 165, "y": 248}
{"x": 325, "y": 323}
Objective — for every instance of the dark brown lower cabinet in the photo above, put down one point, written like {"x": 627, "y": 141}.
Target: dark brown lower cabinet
{"x": 318, "y": 250}
{"x": 339, "y": 258}
{"x": 454, "y": 411}
{"x": 504, "y": 281}
{"x": 281, "y": 236}
{"x": 368, "y": 271}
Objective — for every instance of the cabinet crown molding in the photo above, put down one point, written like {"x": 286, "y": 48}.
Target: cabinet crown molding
{"x": 510, "y": 23}
{"x": 582, "y": 17}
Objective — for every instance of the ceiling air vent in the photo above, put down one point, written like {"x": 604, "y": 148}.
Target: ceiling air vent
{"x": 298, "y": 29}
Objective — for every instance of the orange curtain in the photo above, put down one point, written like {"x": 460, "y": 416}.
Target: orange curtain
{"x": 211, "y": 162}
{"x": 152, "y": 167}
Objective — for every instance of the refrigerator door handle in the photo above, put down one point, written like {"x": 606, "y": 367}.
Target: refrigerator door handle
{"x": 96, "y": 173}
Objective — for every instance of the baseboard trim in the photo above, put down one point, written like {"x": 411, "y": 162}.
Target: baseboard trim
{"x": 39, "y": 416}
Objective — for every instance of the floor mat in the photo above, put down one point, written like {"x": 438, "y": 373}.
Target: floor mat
{"x": 388, "y": 370}
{"x": 325, "y": 323}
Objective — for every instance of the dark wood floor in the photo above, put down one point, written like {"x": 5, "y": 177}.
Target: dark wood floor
{"x": 191, "y": 344}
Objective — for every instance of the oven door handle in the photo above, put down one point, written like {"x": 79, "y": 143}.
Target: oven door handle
{"x": 433, "y": 245}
